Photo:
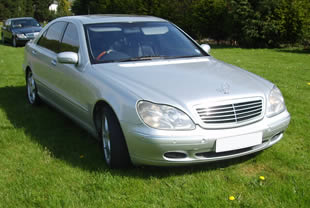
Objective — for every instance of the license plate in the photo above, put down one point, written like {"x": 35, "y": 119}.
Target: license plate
{"x": 238, "y": 142}
{"x": 30, "y": 35}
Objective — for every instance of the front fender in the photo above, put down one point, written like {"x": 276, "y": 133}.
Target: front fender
{"x": 115, "y": 93}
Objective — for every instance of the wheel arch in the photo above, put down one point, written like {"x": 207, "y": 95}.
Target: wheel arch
{"x": 97, "y": 110}
{"x": 27, "y": 69}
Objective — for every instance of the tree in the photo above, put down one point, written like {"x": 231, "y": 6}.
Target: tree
{"x": 63, "y": 8}
{"x": 252, "y": 23}
{"x": 41, "y": 11}
{"x": 29, "y": 9}
{"x": 305, "y": 39}
{"x": 211, "y": 19}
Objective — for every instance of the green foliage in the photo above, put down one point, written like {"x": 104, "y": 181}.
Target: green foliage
{"x": 304, "y": 15}
{"x": 250, "y": 23}
{"x": 63, "y": 8}
{"x": 29, "y": 9}
{"x": 212, "y": 19}
{"x": 33, "y": 8}
{"x": 41, "y": 11}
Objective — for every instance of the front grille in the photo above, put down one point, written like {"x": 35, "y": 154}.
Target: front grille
{"x": 232, "y": 113}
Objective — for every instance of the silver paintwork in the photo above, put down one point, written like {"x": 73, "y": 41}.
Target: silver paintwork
{"x": 185, "y": 84}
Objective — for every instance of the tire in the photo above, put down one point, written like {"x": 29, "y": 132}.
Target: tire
{"x": 32, "y": 91}
{"x": 2, "y": 39}
{"x": 113, "y": 141}
{"x": 14, "y": 43}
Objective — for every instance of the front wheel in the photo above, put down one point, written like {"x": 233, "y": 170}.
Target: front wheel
{"x": 113, "y": 141}
{"x": 32, "y": 91}
{"x": 14, "y": 42}
{"x": 2, "y": 38}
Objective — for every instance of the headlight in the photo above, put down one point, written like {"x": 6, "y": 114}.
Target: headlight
{"x": 276, "y": 103}
{"x": 164, "y": 117}
{"x": 21, "y": 36}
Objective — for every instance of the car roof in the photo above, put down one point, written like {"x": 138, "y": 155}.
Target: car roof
{"x": 20, "y": 18}
{"x": 109, "y": 18}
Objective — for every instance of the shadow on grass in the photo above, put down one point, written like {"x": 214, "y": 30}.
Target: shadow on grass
{"x": 67, "y": 141}
{"x": 5, "y": 44}
{"x": 9, "y": 44}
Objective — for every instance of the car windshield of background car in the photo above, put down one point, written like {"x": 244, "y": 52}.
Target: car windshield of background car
{"x": 25, "y": 23}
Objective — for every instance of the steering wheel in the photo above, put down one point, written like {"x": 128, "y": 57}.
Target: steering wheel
{"x": 103, "y": 53}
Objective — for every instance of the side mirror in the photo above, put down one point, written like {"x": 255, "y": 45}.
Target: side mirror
{"x": 206, "y": 48}
{"x": 68, "y": 58}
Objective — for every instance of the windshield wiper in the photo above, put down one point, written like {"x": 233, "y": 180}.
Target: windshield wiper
{"x": 149, "y": 58}
{"x": 142, "y": 58}
{"x": 191, "y": 56}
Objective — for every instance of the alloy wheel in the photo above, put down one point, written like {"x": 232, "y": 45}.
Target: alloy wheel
{"x": 14, "y": 42}
{"x": 106, "y": 140}
{"x": 31, "y": 88}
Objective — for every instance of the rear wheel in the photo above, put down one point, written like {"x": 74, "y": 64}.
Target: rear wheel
{"x": 32, "y": 91}
{"x": 113, "y": 141}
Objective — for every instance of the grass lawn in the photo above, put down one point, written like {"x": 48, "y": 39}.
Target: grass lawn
{"x": 48, "y": 161}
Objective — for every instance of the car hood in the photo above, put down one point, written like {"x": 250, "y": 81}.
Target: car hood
{"x": 184, "y": 82}
{"x": 27, "y": 29}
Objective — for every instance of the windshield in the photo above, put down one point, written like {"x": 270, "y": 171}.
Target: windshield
{"x": 118, "y": 42}
{"x": 25, "y": 23}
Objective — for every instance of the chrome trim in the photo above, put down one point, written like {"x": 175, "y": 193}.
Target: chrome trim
{"x": 230, "y": 113}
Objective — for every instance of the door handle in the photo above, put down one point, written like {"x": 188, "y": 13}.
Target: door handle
{"x": 34, "y": 52}
{"x": 53, "y": 62}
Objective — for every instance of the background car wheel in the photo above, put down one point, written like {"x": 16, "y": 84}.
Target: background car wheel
{"x": 14, "y": 43}
{"x": 2, "y": 39}
{"x": 113, "y": 141}
{"x": 32, "y": 91}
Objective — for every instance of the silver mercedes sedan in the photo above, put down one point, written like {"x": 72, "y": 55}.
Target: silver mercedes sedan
{"x": 150, "y": 93}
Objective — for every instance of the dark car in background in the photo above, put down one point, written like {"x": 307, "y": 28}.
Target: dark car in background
{"x": 18, "y": 31}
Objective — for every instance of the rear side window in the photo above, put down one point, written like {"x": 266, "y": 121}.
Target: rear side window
{"x": 51, "y": 40}
{"x": 70, "y": 41}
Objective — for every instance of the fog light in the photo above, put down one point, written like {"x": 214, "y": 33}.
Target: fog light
{"x": 175, "y": 155}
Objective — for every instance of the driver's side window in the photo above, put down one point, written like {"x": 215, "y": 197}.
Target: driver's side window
{"x": 70, "y": 40}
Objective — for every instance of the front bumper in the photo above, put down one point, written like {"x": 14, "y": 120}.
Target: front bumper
{"x": 23, "y": 40}
{"x": 148, "y": 146}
